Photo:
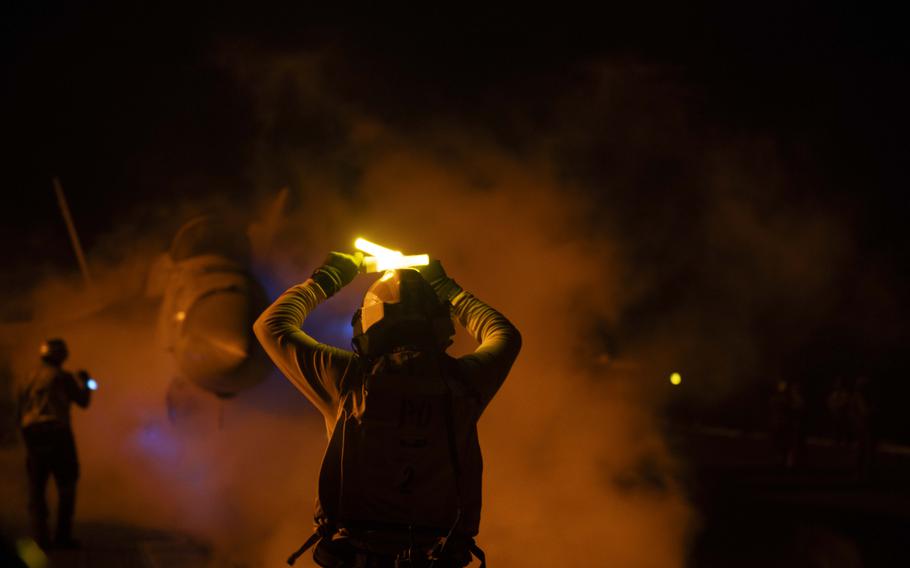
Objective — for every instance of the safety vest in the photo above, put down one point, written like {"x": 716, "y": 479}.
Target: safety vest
{"x": 404, "y": 450}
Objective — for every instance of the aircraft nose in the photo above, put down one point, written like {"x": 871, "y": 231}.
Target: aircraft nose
{"x": 224, "y": 354}
{"x": 229, "y": 349}
{"x": 215, "y": 337}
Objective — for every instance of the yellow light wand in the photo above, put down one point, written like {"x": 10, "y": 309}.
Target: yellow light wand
{"x": 387, "y": 259}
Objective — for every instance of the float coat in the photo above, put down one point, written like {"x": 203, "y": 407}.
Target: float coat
{"x": 334, "y": 381}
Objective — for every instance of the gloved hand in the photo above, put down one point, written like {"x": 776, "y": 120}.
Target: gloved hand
{"x": 88, "y": 384}
{"x": 446, "y": 288}
{"x": 337, "y": 271}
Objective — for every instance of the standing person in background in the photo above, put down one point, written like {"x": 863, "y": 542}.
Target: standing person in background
{"x": 779, "y": 421}
{"x": 797, "y": 425}
{"x": 838, "y": 406}
{"x": 862, "y": 420}
{"x": 400, "y": 483}
{"x": 44, "y": 397}
{"x": 787, "y": 410}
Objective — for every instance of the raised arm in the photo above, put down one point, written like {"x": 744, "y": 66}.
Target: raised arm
{"x": 77, "y": 388}
{"x": 316, "y": 369}
{"x": 499, "y": 340}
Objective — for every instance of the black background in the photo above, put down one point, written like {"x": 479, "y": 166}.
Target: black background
{"x": 128, "y": 106}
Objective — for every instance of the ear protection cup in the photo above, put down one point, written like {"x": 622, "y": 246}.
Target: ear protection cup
{"x": 443, "y": 330}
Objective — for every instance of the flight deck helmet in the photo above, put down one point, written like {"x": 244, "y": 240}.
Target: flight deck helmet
{"x": 401, "y": 310}
{"x": 54, "y": 351}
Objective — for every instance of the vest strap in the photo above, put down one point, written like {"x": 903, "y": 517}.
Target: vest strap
{"x": 322, "y": 531}
{"x": 479, "y": 553}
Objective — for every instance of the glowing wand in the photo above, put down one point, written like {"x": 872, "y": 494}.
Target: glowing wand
{"x": 387, "y": 259}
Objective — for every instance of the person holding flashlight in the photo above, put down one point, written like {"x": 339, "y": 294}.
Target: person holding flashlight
{"x": 400, "y": 484}
{"x": 44, "y": 398}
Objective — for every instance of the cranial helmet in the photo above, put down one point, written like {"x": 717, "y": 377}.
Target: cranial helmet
{"x": 54, "y": 351}
{"x": 401, "y": 310}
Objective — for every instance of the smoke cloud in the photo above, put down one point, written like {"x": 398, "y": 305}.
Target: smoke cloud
{"x": 583, "y": 227}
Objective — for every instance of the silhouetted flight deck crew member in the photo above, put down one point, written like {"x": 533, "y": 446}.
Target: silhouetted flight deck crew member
{"x": 400, "y": 483}
{"x": 44, "y": 398}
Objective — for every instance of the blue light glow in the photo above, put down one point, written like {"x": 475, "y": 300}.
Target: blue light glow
{"x": 332, "y": 328}
{"x": 153, "y": 440}
{"x": 92, "y": 384}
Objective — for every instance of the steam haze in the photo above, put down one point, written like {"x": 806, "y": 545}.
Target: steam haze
{"x": 605, "y": 207}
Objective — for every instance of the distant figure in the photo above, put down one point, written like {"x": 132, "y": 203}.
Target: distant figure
{"x": 797, "y": 449}
{"x": 838, "y": 410}
{"x": 400, "y": 484}
{"x": 861, "y": 411}
{"x": 787, "y": 422}
{"x": 779, "y": 419}
{"x": 44, "y": 398}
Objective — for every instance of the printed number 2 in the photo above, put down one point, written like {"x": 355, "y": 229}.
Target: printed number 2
{"x": 407, "y": 478}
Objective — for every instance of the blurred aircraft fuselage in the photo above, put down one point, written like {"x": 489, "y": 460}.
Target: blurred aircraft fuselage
{"x": 210, "y": 302}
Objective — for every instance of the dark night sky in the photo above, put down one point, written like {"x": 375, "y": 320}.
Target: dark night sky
{"x": 131, "y": 107}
